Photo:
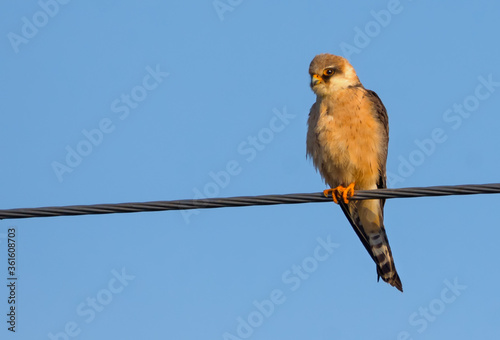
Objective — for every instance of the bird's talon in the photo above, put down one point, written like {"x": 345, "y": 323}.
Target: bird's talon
{"x": 333, "y": 192}
{"x": 340, "y": 192}
{"x": 348, "y": 192}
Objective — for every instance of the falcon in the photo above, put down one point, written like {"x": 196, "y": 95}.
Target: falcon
{"x": 347, "y": 140}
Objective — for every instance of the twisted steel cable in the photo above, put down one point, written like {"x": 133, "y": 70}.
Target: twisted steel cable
{"x": 244, "y": 201}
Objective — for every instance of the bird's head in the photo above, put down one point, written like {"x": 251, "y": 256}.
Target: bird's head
{"x": 330, "y": 73}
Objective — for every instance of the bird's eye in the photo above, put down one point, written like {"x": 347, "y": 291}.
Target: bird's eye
{"x": 329, "y": 72}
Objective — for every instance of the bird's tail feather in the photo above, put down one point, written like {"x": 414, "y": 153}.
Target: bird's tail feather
{"x": 377, "y": 245}
{"x": 383, "y": 258}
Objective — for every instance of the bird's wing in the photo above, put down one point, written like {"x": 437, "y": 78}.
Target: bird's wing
{"x": 350, "y": 211}
{"x": 380, "y": 113}
{"x": 352, "y": 216}
{"x": 376, "y": 243}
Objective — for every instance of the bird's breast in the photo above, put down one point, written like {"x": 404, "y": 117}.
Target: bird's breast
{"x": 348, "y": 138}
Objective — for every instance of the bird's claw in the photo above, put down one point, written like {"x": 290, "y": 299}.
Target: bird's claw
{"x": 340, "y": 192}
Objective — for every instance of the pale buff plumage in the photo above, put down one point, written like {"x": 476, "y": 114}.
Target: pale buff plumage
{"x": 347, "y": 140}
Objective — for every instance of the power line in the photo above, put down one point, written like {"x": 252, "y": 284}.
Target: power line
{"x": 245, "y": 201}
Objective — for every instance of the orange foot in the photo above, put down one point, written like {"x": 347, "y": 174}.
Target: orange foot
{"x": 339, "y": 192}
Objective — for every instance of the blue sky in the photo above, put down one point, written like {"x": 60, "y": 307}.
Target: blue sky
{"x": 140, "y": 101}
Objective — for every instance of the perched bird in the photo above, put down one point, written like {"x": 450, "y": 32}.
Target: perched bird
{"x": 347, "y": 139}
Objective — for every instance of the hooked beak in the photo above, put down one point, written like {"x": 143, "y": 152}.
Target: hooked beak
{"x": 315, "y": 79}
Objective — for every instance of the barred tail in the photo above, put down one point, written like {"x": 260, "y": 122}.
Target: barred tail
{"x": 382, "y": 256}
{"x": 374, "y": 239}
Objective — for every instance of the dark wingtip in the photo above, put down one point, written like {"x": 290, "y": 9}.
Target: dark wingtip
{"x": 396, "y": 282}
